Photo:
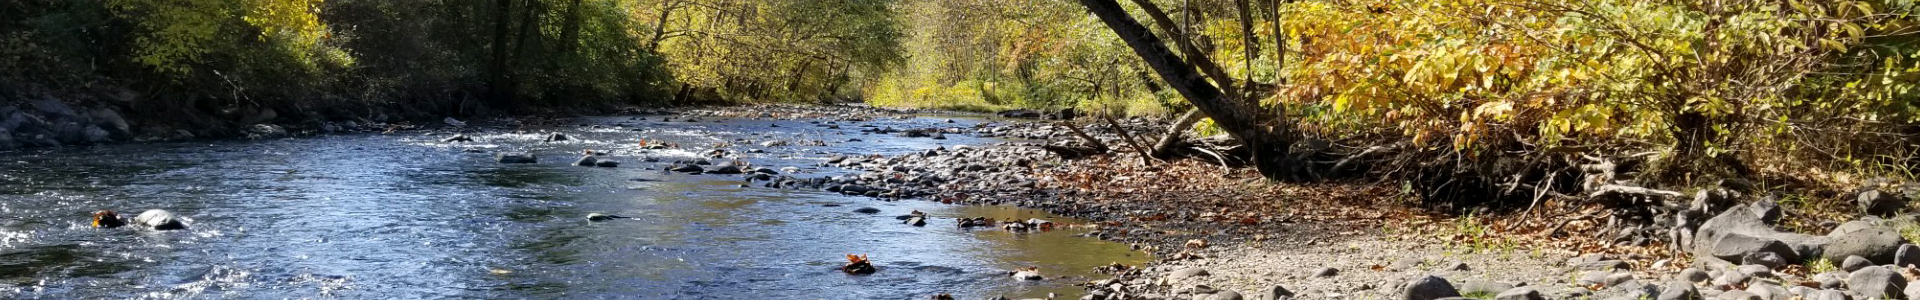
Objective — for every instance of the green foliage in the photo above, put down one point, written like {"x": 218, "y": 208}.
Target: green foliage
{"x": 793, "y": 50}
{"x": 1029, "y": 54}
{"x": 1820, "y": 266}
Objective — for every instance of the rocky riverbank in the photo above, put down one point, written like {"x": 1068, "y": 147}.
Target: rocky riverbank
{"x": 1224, "y": 234}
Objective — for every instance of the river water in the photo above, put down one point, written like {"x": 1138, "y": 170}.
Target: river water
{"x": 404, "y": 216}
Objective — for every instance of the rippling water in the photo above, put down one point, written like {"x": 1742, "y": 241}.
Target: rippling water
{"x": 407, "y": 217}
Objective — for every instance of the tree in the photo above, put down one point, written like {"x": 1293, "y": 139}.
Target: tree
{"x": 1242, "y": 118}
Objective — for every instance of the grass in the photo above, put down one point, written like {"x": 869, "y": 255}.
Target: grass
{"x": 1479, "y": 295}
{"x": 1820, "y": 266}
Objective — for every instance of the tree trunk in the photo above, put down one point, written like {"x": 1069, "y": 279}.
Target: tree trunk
{"x": 570, "y": 35}
{"x": 660, "y": 30}
{"x": 497, "y": 90}
{"x": 1242, "y": 119}
{"x": 1246, "y": 30}
{"x": 1164, "y": 148}
{"x": 1195, "y": 56}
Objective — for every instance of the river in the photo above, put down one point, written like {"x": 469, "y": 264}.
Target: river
{"x": 406, "y": 216}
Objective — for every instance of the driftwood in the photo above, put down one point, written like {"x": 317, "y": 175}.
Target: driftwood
{"x": 1144, "y": 156}
{"x": 1176, "y": 134}
{"x": 1094, "y": 146}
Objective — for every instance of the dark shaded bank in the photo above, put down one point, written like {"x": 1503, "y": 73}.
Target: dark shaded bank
{"x": 40, "y": 120}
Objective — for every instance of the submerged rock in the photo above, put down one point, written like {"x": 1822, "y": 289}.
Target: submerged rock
{"x": 596, "y": 217}
{"x": 516, "y": 158}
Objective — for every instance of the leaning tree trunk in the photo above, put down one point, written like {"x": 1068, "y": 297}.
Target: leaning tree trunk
{"x": 1242, "y": 119}
{"x": 1176, "y": 134}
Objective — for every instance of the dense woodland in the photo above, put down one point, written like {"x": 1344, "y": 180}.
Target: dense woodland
{"x": 1510, "y": 97}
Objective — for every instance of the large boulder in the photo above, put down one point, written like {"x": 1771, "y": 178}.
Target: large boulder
{"x": 1867, "y": 238}
{"x": 1877, "y": 282}
{"x": 112, "y": 122}
{"x": 1745, "y": 230}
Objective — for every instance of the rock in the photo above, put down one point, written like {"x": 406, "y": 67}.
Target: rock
{"x": 266, "y": 131}
{"x": 1769, "y": 291}
{"x": 54, "y": 108}
{"x": 1028, "y": 274}
{"x": 1912, "y": 291}
{"x": 687, "y": 168}
{"x": 1876, "y": 243}
{"x": 1757, "y": 271}
{"x": 450, "y": 121}
{"x": 1767, "y": 210}
{"x": 1428, "y": 288}
{"x": 1737, "y": 246}
{"x": 1908, "y": 255}
{"x": 1477, "y": 287}
{"x": 1874, "y": 202}
{"x": 1742, "y": 220}
{"x": 1634, "y": 290}
{"x": 555, "y": 137}
{"x": 1830, "y": 280}
{"x": 596, "y": 217}
{"x": 1739, "y": 295}
{"x": 1855, "y": 263}
{"x": 94, "y": 135}
{"x": 1732, "y": 278}
{"x": 1826, "y": 295}
{"x": 1188, "y": 272}
{"x": 159, "y": 220}
{"x": 1693, "y": 275}
{"x": 867, "y": 210}
{"x": 516, "y": 158}
{"x": 1520, "y": 293}
{"x": 1617, "y": 279}
{"x": 457, "y": 139}
{"x": 112, "y": 122}
{"x": 1405, "y": 264}
{"x": 1459, "y": 266}
{"x": 1876, "y": 281}
{"x": 1604, "y": 265}
{"x": 725, "y": 169}
{"x": 607, "y": 164}
{"x": 6, "y": 140}
{"x": 1592, "y": 278}
{"x": 1226, "y": 295}
{"x": 1678, "y": 290}
{"x": 917, "y": 221}
{"x": 1771, "y": 260}
{"x": 1327, "y": 272}
{"x": 1278, "y": 292}
{"x": 586, "y": 161}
